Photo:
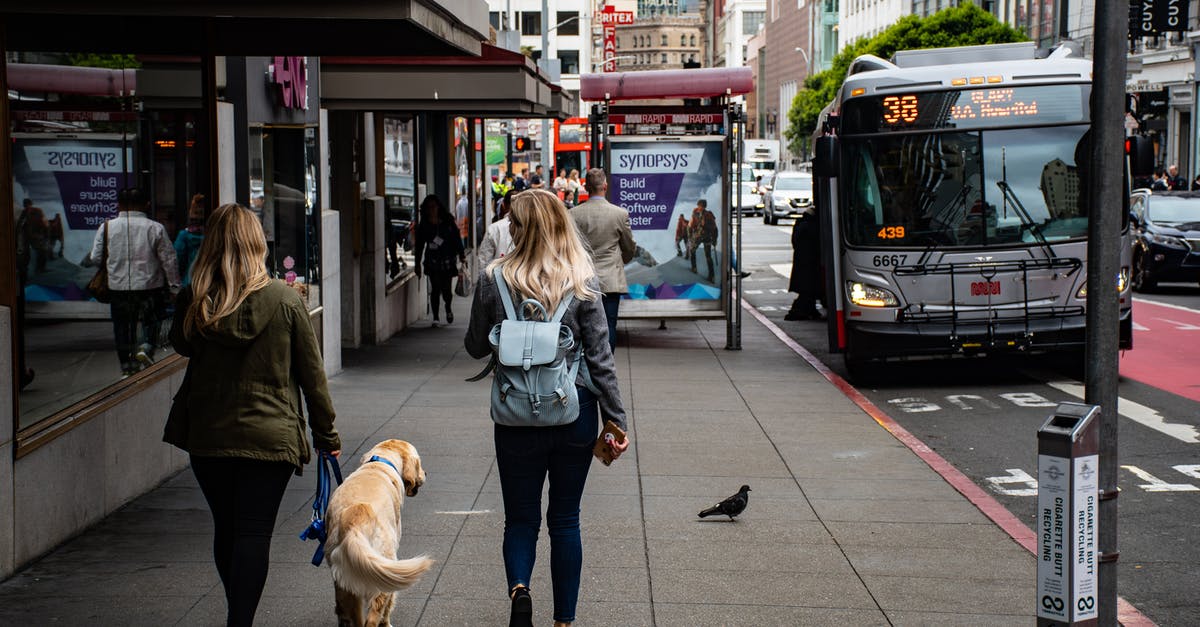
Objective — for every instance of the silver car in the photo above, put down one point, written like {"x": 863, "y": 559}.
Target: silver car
{"x": 751, "y": 201}
{"x": 788, "y": 195}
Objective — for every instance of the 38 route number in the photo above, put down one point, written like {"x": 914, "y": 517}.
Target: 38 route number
{"x": 887, "y": 261}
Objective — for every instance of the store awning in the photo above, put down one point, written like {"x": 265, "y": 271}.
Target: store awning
{"x": 248, "y": 27}
{"x": 499, "y": 83}
{"x": 653, "y": 84}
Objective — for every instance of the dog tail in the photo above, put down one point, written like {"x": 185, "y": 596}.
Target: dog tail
{"x": 359, "y": 567}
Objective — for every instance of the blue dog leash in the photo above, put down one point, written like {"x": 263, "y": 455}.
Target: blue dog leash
{"x": 327, "y": 469}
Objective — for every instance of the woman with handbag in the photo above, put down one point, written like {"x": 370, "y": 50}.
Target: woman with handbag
{"x": 252, "y": 352}
{"x": 439, "y": 251}
{"x": 548, "y": 262}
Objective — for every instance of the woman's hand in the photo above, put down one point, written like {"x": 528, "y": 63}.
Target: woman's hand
{"x": 618, "y": 447}
{"x": 333, "y": 454}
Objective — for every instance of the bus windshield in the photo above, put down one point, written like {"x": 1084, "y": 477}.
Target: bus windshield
{"x": 572, "y": 133}
{"x": 973, "y": 188}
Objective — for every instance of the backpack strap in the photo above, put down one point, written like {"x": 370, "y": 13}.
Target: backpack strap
{"x": 562, "y": 307}
{"x": 505, "y": 296}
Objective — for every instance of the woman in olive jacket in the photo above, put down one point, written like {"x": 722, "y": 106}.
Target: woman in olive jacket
{"x": 252, "y": 351}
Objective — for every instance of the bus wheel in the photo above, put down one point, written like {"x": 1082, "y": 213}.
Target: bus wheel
{"x": 859, "y": 371}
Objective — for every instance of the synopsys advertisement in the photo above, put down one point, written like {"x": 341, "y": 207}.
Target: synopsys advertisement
{"x": 71, "y": 186}
{"x": 672, "y": 191}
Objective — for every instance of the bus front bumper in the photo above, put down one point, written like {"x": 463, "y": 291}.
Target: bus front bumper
{"x": 876, "y": 340}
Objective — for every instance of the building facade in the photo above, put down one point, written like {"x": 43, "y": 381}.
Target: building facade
{"x": 659, "y": 43}
{"x": 858, "y": 19}
{"x": 568, "y": 32}
{"x": 738, "y": 21}
{"x": 787, "y": 63}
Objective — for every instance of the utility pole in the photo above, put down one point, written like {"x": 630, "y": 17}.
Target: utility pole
{"x": 1106, "y": 181}
{"x": 545, "y": 64}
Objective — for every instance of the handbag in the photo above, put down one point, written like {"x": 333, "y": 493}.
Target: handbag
{"x": 463, "y": 286}
{"x": 98, "y": 286}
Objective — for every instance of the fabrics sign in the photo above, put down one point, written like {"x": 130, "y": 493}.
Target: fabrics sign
{"x": 672, "y": 191}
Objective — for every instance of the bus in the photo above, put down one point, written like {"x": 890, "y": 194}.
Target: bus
{"x": 953, "y": 188}
{"x": 572, "y": 145}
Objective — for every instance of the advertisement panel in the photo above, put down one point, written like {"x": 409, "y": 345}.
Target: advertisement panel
{"x": 70, "y": 186}
{"x": 672, "y": 189}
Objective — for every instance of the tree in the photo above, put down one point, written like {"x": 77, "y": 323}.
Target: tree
{"x": 966, "y": 25}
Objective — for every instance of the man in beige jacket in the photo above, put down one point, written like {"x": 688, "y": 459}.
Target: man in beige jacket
{"x": 605, "y": 227}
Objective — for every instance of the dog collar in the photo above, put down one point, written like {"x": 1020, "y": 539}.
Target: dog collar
{"x": 376, "y": 458}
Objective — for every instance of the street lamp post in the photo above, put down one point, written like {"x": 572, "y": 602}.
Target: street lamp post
{"x": 603, "y": 61}
{"x": 807, "y": 63}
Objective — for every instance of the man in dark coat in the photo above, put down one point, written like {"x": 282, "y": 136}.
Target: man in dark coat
{"x": 806, "y": 279}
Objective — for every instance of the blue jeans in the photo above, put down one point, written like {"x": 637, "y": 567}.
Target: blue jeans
{"x": 525, "y": 455}
{"x": 612, "y": 305}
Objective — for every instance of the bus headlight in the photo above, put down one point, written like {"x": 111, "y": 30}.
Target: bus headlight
{"x": 1122, "y": 283}
{"x": 871, "y": 296}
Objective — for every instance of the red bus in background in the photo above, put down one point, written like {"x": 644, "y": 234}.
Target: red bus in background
{"x": 572, "y": 145}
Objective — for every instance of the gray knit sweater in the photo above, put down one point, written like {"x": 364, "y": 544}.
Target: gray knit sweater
{"x": 585, "y": 319}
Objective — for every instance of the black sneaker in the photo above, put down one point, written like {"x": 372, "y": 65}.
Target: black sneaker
{"x": 522, "y": 609}
{"x": 449, "y": 317}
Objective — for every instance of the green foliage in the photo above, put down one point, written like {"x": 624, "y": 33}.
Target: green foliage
{"x": 110, "y": 61}
{"x": 966, "y": 25}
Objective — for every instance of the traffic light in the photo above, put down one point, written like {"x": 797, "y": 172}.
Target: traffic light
{"x": 520, "y": 144}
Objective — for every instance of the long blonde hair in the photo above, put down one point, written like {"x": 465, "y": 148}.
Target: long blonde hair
{"x": 548, "y": 257}
{"x": 229, "y": 267}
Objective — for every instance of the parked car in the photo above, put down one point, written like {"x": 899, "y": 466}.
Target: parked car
{"x": 787, "y": 195}
{"x": 751, "y": 200}
{"x": 1166, "y": 237}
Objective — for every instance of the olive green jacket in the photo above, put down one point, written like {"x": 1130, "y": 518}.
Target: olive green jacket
{"x": 241, "y": 394}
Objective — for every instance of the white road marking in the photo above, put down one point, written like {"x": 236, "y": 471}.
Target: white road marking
{"x": 958, "y": 400}
{"x": 914, "y": 405}
{"x": 1028, "y": 399}
{"x": 466, "y": 512}
{"x": 1169, "y": 305}
{"x": 768, "y": 308}
{"x": 1180, "y": 326}
{"x": 783, "y": 269}
{"x": 1138, "y": 327}
{"x": 1191, "y": 470}
{"x": 1136, "y": 412}
{"x": 1017, "y": 476}
{"x": 1154, "y": 484}
{"x": 752, "y": 291}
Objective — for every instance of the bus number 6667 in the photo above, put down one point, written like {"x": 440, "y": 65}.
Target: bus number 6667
{"x": 888, "y": 261}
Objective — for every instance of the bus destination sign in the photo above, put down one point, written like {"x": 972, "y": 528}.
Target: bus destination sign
{"x": 966, "y": 109}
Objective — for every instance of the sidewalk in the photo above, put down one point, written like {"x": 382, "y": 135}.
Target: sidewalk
{"x": 845, "y": 524}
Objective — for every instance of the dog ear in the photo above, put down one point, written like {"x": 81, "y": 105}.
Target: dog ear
{"x": 411, "y": 472}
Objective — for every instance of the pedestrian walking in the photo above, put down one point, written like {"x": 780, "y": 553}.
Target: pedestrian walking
{"x": 32, "y": 238}
{"x": 498, "y": 240}
{"x": 560, "y": 184}
{"x": 538, "y": 180}
{"x": 1174, "y": 181}
{"x": 438, "y": 251}
{"x": 187, "y": 242}
{"x": 702, "y": 231}
{"x": 574, "y": 188}
{"x": 252, "y": 352}
{"x": 548, "y": 262}
{"x": 605, "y": 228}
{"x": 142, "y": 273}
{"x": 805, "y": 278}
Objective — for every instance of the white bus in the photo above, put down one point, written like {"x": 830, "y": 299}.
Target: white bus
{"x": 953, "y": 188}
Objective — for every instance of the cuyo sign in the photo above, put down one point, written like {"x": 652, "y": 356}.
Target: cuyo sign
{"x": 288, "y": 77}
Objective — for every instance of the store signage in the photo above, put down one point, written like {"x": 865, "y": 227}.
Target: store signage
{"x": 610, "y": 17}
{"x": 288, "y": 76}
{"x": 1151, "y": 17}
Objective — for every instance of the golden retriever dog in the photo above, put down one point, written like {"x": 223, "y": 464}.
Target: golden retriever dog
{"x": 364, "y": 534}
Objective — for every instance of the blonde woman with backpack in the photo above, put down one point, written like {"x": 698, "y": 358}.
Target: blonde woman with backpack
{"x": 548, "y": 262}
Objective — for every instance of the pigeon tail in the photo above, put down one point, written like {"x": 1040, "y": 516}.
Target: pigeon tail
{"x": 712, "y": 511}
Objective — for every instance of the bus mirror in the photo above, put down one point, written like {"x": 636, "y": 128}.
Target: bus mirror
{"x": 1140, "y": 151}
{"x": 825, "y": 160}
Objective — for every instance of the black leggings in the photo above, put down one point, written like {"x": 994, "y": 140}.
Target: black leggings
{"x": 244, "y": 496}
{"x": 440, "y": 284}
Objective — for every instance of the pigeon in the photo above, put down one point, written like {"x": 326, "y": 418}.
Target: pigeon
{"x": 731, "y": 506}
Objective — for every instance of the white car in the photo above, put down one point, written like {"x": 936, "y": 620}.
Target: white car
{"x": 751, "y": 201}
{"x": 788, "y": 195}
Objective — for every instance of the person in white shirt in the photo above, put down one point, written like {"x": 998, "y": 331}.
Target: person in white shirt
{"x": 141, "y": 268}
{"x": 498, "y": 241}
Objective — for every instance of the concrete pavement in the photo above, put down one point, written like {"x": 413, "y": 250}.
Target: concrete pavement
{"x": 845, "y": 525}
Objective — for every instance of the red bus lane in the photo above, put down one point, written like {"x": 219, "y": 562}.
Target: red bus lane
{"x": 1164, "y": 348}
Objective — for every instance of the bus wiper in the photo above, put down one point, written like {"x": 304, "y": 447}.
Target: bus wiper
{"x": 1026, "y": 220}
{"x": 959, "y": 201}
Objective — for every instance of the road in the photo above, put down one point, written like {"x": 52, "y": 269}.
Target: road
{"x": 982, "y": 415}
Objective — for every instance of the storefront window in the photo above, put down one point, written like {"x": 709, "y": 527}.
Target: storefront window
{"x": 283, "y": 192}
{"x": 400, "y": 196}
{"x": 74, "y": 149}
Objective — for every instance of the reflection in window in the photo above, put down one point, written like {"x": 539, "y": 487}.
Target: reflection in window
{"x": 400, "y": 195}
{"x": 154, "y": 141}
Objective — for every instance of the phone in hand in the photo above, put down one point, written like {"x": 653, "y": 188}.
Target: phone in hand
{"x": 611, "y": 433}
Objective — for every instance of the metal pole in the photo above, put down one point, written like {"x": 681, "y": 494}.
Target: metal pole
{"x": 738, "y": 126}
{"x": 1104, "y": 254}
{"x": 545, "y": 64}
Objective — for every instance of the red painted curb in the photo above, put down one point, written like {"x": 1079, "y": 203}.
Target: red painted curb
{"x": 1127, "y": 614}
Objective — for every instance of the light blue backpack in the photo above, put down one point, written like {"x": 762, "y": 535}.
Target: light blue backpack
{"x": 536, "y": 362}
